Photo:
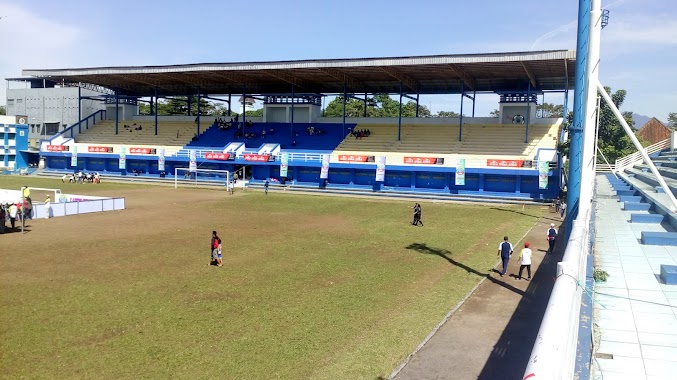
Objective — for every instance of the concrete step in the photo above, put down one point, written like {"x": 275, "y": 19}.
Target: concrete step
{"x": 636, "y": 206}
{"x": 646, "y": 218}
{"x": 630, "y": 198}
{"x": 659, "y": 238}
{"x": 621, "y": 188}
{"x": 625, "y": 192}
{"x": 669, "y": 274}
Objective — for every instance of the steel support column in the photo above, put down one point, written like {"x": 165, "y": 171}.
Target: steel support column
{"x": 79, "y": 110}
{"x": 117, "y": 110}
{"x": 399, "y": 117}
{"x": 190, "y": 103}
{"x": 198, "y": 112}
{"x": 576, "y": 128}
{"x": 474, "y": 94}
{"x": 291, "y": 129}
{"x": 417, "y": 95}
{"x": 229, "y": 105}
{"x": 364, "y": 114}
{"x": 526, "y": 130}
{"x": 244, "y": 109}
{"x": 460, "y": 119}
{"x": 344, "y": 109}
{"x": 156, "y": 103}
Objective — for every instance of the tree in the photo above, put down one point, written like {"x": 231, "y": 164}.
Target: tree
{"x": 495, "y": 113}
{"x": 672, "y": 119}
{"x": 179, "y": 106}
{"x": 254, "y": 113}
{"x": 446, "y": 114}
{"x": 3, "y": 110}
{"x": 380, "y": 105}
{"x": 612, "y": 140}
{"x": 550, "y": 110}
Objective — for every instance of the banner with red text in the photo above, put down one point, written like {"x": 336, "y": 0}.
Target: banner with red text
{"x": 217, "y": 156}
{"x": 505, "y": 163}
{"x": 256, "y": 157}
{"x": 57, "y": 148}
{"x": 141, "y": 150}
{"x": 99, "y": 149}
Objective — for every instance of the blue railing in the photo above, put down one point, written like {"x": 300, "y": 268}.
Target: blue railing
{"x": 86, "y": 121}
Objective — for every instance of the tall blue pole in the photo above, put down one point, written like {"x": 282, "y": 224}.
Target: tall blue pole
{"x": 526, "y": 130}
{"x": 417, "y": 104}
{"x": 228, "y": 104}
{"x": 79, "y": 110}
{"x": 156, "y": 104}
{"x": 399, "y": 119}
{"x": 117, "y": 110}
{"x": 344, "y": 109}
{"x": 576, "y": 129}
{"x": 292, "y": 109}
{"x": 198, "y": 112}
{"x": 460, "y": 120}
{"x": 474, "y": 95}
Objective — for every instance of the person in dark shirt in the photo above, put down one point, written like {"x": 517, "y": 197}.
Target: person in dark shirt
{"x": 504, "y": 252}
{"x": 417, "y": 215}
{"x": 265, "y": 186}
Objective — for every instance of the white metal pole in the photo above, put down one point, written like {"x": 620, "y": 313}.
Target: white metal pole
{"x": 639, "y": 146}
{"x": 599, "y": 99}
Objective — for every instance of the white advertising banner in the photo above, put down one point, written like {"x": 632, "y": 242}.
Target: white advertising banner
{"x": 122, "y": 163}
{"x": 284, "y": 165}
{"x": 192, "y": 165}
{"x": 74, "y": 156}
{"x": 460, "y": 172}
{"x": 381, "y": 169}
{"x": 324, "y": 173}
{"x": 161, "y": 159}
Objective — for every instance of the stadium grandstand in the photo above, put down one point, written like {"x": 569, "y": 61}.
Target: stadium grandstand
{"x": 513, "y": 155}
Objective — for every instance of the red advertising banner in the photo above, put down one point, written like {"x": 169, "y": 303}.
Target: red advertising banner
{"x": 420, "y": 160}
{"x": 352, "y": 158}
{"x": 100, "y": 149}
{"x": 142, "y": 150}
{"x": 57, "y": 148}
{"x": 506, "y": 163}
{"x": 256, "y": 157}
{"x": 217, "y": 156}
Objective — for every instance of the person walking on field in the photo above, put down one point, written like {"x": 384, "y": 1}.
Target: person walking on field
{"x": 552, "y": 236}
{"x": 265, "y": 186}
{"x": 525, "y": 261}
{"x": 504, "y": 252}
{"x": 562, "y": 209}
{"x": 13, "y": 211}
{"x": 214, "y": 249}
{"x": 417, "y": 215}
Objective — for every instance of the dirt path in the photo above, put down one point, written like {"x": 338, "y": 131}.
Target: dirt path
{"x": 491, "y": 335}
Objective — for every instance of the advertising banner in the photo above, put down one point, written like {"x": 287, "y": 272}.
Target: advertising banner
{"x": 460, "y": 172}
{"x": 217, "y": 156}
{"x": 256, "y": 157}
{"x": 353, "y": 158}
{"x": 505, "y": 163}
{"x": 122, "y": 163}
{"x": 141, "y": 150}
{"x": 99, "y": 149}
{"x": 57, "y": 148}
{"x": 74, "y": 156}
{"x": 284, "y": 165}
{"x": 192, "y": 165}
{"x": 324, "y": 173}
{"x": 420, "y": 160}
{"x": 161, "y": 159}
{"x": 543, "y": 169}
{"x": 381, "y": 169}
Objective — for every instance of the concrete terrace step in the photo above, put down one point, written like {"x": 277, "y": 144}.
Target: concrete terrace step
{"x": 625, "y": 192}
{"x": 669, "y": 274}
{"x": 635, "y": 206}
{"x": 659, "y": 238}
{"x": 646, "y": 218}
{"x": 630, "y": 198}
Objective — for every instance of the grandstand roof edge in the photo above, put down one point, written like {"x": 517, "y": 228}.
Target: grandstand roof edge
{"x": 319, "y": 63}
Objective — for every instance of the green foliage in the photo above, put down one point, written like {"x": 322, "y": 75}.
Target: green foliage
{"x": 672, "y": 119}
{"x": 254, "y": 113}
{"x": 495, "y": 113}
{"x": 600, "y": 275}
{"x": 550, "y": 110}
{"x": 380, "y": 105}
{"x": 3, "y": 110}
{"x": 446, "y": 114}
{"x": 178, "y": 106}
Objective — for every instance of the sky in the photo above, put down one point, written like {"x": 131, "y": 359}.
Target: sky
{"x": 638, "y": 54}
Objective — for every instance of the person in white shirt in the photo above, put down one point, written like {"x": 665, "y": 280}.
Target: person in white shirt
{"x": 525, "y": 261}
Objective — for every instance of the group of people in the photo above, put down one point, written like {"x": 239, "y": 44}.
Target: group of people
{"x": 360, "y": 133}
{"x": 13, "y": 212}
{"x": 312, "y": 131}
{"x": 132, "y": 127}
{"x": 81, "y": 177}
{"x": 505, "y": 251}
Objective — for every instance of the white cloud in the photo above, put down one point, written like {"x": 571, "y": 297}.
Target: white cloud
{"x": 30, "y": 41}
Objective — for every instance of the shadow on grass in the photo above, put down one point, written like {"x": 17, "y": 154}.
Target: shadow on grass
{"x": 553, "y": 218}
{"x": 443, "y": 253}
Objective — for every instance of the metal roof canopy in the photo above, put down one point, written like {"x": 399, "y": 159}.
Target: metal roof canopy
{"x": 435, "y": 74}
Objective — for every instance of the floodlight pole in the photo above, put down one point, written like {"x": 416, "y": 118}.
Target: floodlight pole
{"x": 637, "y": 144}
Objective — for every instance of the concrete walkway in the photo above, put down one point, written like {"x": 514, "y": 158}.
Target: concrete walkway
{"x": 493, "y": 332}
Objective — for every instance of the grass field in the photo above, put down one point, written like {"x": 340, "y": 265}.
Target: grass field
{"x": 311, "y": 288}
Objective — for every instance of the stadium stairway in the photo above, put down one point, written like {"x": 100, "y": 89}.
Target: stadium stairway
{"x": 170, "y": 133}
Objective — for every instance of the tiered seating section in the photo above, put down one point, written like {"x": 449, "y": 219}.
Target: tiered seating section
{"x": 499, "y": 141}
{"x": 325, "y": 137}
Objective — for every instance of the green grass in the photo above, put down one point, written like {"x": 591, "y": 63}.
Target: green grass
{"x": 312, "y": 287}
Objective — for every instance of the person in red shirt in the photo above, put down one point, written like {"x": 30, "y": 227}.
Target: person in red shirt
{"x": 214, "y": 250}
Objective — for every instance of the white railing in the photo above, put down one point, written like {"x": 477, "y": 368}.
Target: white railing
{"x": 636, "y": 158}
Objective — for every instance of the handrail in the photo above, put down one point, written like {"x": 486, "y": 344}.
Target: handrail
{"x": 636, "y": 158}
{"x": 79, "y": 123}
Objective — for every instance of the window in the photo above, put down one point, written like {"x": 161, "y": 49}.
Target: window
{"x": 19, "y": 101}
{"x": 10, "y": 102}
{"x": 32, "y": 128}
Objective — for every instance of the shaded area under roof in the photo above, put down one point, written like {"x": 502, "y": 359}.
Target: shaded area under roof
{"x": 436, "y": 74}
